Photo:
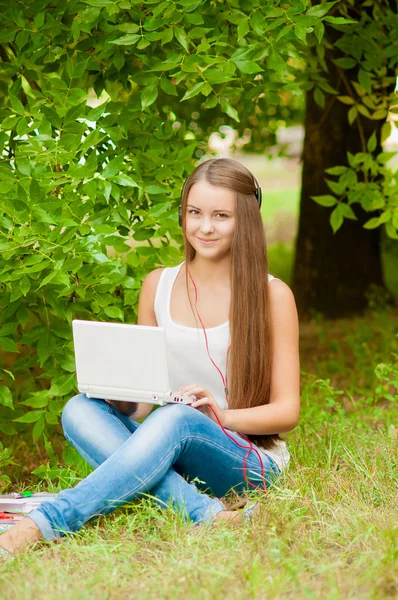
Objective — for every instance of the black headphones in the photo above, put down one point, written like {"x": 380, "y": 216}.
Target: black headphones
{"x": 257, "y": 193}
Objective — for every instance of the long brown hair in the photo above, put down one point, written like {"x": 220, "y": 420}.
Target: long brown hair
{"x": 250, "y": 358}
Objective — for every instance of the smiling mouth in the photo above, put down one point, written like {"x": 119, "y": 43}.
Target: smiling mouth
{"x": 206, "y": 241}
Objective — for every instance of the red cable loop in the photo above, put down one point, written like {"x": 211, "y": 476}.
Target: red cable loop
{"x": 225, "y": 383}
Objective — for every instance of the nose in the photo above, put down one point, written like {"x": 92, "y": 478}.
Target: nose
{"x": 206, "y": 225}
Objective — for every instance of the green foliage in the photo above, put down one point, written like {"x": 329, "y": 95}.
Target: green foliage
{"x": 96, "y": 135}
{"x": 369, "y": 182}
{"x": 104, "y": 107}
{"x": 5, "y": 462}
{"x": 365, "y": 54}
{"x": 58, "y": 477}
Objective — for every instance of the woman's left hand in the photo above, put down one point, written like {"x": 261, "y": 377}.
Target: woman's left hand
{"x": 204, "y": 400}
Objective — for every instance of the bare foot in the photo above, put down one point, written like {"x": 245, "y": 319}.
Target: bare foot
{"x": 230, "y": 515}
{"x": 20, "y": 536}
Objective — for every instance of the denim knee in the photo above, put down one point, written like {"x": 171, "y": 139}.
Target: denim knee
{"x": 176, "y": 413}
{"x": 73, "y": 411}
{"x": 179, "y": 419}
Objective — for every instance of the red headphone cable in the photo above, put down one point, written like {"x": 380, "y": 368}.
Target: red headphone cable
{"x": 225, "y": 383}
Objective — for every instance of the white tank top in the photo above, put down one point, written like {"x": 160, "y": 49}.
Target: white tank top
{"x": 187, "y": 358}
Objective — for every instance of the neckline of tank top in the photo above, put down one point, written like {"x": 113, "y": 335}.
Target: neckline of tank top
{"x": 186, "y": 327}
{"x": 179, "y": 325}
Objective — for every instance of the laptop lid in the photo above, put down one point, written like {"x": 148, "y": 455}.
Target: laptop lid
{"x": 118, "y": 361}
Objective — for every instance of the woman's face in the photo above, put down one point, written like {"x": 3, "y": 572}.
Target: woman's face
{"x": 210, "y": 219}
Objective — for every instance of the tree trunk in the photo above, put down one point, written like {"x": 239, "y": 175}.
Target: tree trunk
{"x": 333, "y": 272}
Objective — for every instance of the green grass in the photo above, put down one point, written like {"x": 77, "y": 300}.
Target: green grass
{"x": 328, "y": 529}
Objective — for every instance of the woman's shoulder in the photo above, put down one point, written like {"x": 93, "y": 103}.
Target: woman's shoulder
{"x": 151, "y": 281}
{"x": 282, "y": 304}
{"x": 146, "y": 313}
{"x": 279, "y": 290}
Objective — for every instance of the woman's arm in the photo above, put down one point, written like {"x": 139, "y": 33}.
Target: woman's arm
{"x": 146, "y": 316}
{"x": 282, "y": 412}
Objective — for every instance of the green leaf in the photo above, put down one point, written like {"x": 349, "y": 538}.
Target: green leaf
{"x": 339, "y": 21}
{"x": 232, "y": 112}
{"x": 319, "y": 30}
{"x": 372, "y": 223}
{"x": 365, "y": 80}
{"x": 144, "y": 43}
{"x": 336, "y": 187}
{"x": 379, "y": 114}
{"x": 391, "y": 231}
{"x": 38, "y": 428}
{"x": 10, "y": 373}
{"x": 155, "y": 189}
{"x": 24, "y": 284}
{"x": 125, "y": 180}
{"x": 113, "y": 167}
{"x": 345, "y": 63}
{"x": 127, "y": 40}
{"x": 319, "y": 97}
{"x": 45, "y": 347}
{"x": 133, "y": 259}
{"x": 149, "y": 95}
{"x": 30, "y": 417}
{"x": 346, "y": 99}
{"x": 199, "y": 32}
{"x": 62, "y": 385}
{"x": 339, "y": 170}
{"x": 8, "y": 328}
{"x": 38, "y": 399}
{"x": 347, "y": 211}
{"x": 51, "y": 418}
{"x": 17, "y": 105}
{"x": 181, "y": 37}
{"x": 319, "y": 10}
{"x": 211, "y": 101}
{"x": 128, "y": 27}
{"x": 168, "y": 87}
{"x": 352, "y": 114}
{"x": 284, "y": 31}
{"x": 325, "y": 200}
{"x": 243, "y": 28}
{"x": 6, "y": 397}
{"x": 372, "y": 142}
{"x": 49, "y": 278}
{"x": 194, "y": 90}
{"x": 152, "y": 24}
{"x": 219, "y": 75}
{"x": 395, "y": 218}
{"x": 248, "y": 66}
{"x": 114, "y": 313}
{"x": 363, "y": 110}
{"x": 336, "y": 219}
{"x": 8, "y": 344}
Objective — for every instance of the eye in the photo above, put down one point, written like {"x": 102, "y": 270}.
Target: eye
{"x": 222, "y": 215}
{"x": 193, "y": 211}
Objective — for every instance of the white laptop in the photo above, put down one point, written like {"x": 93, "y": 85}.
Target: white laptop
{"x": 117, "y": 361}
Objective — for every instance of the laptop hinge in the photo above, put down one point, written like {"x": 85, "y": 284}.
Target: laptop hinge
{"x": 127, "y": 395}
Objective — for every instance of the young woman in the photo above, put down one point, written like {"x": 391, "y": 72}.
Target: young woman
{"x": 232, "y": 334}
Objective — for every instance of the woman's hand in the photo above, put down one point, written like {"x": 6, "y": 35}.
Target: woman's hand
{"x": 204, "y": 400}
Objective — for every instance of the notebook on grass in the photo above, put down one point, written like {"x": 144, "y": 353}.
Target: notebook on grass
{"x": 117, "y": 361}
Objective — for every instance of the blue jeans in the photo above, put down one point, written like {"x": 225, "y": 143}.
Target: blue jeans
{"x": 174, "y": 444}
